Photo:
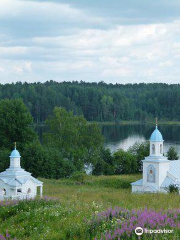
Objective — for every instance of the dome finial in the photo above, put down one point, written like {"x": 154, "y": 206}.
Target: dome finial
{"x": 15, "y": 145}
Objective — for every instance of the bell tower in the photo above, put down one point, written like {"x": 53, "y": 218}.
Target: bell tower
{"x": 15, "y": 158}
{"x": 155, "y": 166}
{"x": 156, "y": 143}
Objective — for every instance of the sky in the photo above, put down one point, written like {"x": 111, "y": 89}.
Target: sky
{"x": 115, "y": 41}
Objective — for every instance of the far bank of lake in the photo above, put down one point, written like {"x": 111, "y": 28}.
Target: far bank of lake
{"x": 126, "y": 133}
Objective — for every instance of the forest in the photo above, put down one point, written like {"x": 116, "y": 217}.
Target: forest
{"x": 70, "y": 145}
{"x": 98, "y": 101}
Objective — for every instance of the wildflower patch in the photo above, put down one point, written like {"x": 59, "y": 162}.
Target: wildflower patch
{"x": 122, "y": 223}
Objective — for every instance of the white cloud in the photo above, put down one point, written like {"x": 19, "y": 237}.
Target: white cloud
{"x": 28, "y": 66}
{"x": 13, "y": 50}
{"x": 167, "y": 63}
{"x": 116, "y": 73}
{"x": 45, "y": 40}
{"x": 2, "y": 69}
{"x": 18, "y": 69}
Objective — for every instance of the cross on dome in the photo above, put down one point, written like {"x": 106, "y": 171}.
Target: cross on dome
{"x": 156, "y": 121}
{"x": 156, "y": 136}
{"x": 15, "y": 153}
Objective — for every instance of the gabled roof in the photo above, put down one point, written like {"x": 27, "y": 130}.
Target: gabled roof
{"x": 168, "y": 180}
{"x": 17, "y": 177}
{"x": 138, "y": 183}
{"x": 174, "y": 169}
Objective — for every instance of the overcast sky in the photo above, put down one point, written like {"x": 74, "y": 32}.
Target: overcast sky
{"x": 117, "y": 41}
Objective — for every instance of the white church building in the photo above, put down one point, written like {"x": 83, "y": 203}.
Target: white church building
{"x": 158, "y": 171}
{"x": 16, "y": 183}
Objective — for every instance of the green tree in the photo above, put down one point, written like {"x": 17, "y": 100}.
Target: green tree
{"x": 4, "y": 159}
{"x": 15, "y": 121}
{"x": 78, "y": 141}
{"x": 105, "y": 164}
{"x": 172, "y": 154}
{"x": 45, "y": 162}
{"x": 124, "y": 162}
{"x": 140, "y": 151}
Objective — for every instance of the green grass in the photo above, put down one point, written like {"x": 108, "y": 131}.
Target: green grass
{"x": 64, "y": 218}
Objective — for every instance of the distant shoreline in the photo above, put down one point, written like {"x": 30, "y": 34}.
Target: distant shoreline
{"x": 125, "y": 123}
{"x": 138, "y": 122}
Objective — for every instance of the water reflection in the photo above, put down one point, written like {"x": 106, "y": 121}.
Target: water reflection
{"x": 124, "y": 136}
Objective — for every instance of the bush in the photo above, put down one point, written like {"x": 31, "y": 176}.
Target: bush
{"x": 172, "y": 154}
{"x": 140, "y": 151}
{"x": 124, "y": 162}
{"x": 78, "y": 176}
{"x": 173, "y": 188}
{"x": 104, "y": 165}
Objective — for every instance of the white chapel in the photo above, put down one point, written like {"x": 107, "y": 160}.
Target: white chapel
{"x": 158, "y": 171}
{"x": 16, "y": 183}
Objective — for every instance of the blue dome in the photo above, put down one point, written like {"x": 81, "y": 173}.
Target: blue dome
{"x": 15, "y": 154}
{"x": 156, "y": 136}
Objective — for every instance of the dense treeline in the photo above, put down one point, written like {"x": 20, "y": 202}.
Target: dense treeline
{"x": 98, "y": 101}
{"x": 70, "y": 144}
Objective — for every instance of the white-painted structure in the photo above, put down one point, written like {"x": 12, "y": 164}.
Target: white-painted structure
{"x": 16, "y": 183}
{"x": 158, "y": 171}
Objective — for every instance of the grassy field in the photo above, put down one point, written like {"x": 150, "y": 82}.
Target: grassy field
{"x": 75, "y": 204}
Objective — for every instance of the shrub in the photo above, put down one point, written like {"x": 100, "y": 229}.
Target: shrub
{"x": 78, "y": 176}
{"x": 172, "y": 154}
{"x": 173, "y": 188}
{"x": 124, "y": 162}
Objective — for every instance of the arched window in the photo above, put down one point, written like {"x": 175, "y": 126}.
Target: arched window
{"x": 151, "y": 173}
{"x": 160, "y": 148}
{"x": 28, "y": 191}
{"x": 153, "y": 149}
{"x": 3, "y": 191}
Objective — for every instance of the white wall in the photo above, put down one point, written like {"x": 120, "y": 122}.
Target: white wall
{"x": 30, "y": 184}
{"x": 157, "y": 148}
{"x": 9, "y": 191}
{"x": 136, "y": 188}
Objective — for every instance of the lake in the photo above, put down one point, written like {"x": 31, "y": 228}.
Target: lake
{"x": 124, "y": 136}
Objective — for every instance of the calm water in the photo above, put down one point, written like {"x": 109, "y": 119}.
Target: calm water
{"x": 124, "y": 136}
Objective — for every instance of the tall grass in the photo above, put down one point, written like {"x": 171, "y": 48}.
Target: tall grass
{"x": 66, "y": 218}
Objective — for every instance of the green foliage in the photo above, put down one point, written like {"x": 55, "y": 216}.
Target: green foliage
{"x": 121, "y": 162}
{"x": 98, "y": 101}
{"x": 124, "y": 162}
{"x": 140, "y": 151}
{"x": 172, "y": 154}
{"x": 104, "y": 165}
{"x": 78, "y": 176}
{"x": 46, "y": 162}
{"x": 77, "y": 140}
{"x": 15, "y": 123}
{"x": 4, "y": 159}
{"x": 173, "y": 188}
